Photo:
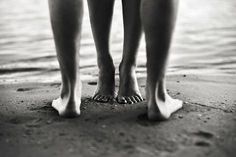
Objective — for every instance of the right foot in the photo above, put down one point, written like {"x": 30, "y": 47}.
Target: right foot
{"x": 128, "y": 90}
{"x": 162, "y": 106}
{"x": 162, "y": 110}
{"x": 106, "y": 85}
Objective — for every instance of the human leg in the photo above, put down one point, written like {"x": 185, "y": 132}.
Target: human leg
{"x": 128, "y": 89}
{"x": 101, "y": 12}
{"x": 66, "y": 19}
{"x": 158, "y": 19}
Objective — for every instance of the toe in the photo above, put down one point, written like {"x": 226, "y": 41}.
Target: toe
{"x": 100, "y": 98}
{"x": 104, "y": 99}
{"x": 138, "y": 98}
{"x": 133, "y": 99}
{"x": 95, "y": 97}
{"x": 128, "y": 99}
{"x": 121, "y": 100}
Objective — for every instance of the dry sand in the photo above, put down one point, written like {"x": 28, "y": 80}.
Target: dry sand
{"x": 206, "y": 126}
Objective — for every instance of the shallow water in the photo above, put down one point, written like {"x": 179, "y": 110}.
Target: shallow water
{"x": 204, "y": 41}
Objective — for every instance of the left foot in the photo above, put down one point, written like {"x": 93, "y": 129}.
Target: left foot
{"x": 68, "y": 104}
{"x": 128, "y": 89}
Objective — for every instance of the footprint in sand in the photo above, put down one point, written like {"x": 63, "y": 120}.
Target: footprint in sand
{"x": 204, "y": 134}
{"x": 24, "y": 89}
{"x": 204, "y": 137}
{"x": 46, "y": 107}
{"x": 55, "y": 85}
{"x": 20, "y": 120}
{"x": 202, "y": 143}
{"x": 36, "y": 123}
{"x": 92, "y": 83}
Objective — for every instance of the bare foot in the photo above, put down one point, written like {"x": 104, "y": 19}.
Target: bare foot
{"x": 161, "y": 108}
{"x": 68, "y": 105}
{"x": 106, "y": 85}
{"x": 128, "y": 89}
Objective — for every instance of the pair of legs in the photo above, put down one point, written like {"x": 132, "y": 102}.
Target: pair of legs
{"x": 101, "y": 16}
{"x": 158, "y": 20}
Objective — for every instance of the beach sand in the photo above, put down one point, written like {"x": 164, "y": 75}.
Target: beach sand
{"x": 206, "y": 126}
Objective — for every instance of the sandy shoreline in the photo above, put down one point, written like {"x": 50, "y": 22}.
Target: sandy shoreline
{"x": 206, "y": 126}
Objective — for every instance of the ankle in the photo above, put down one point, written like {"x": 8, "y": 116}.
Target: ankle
{"x": 107, "y": 68}
{"x": 106, "y": 63}
{"x": 125, "y": 67}
{"x": 156, "y": 89}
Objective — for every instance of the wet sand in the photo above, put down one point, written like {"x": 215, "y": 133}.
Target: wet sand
{"x": 206, "y": 126}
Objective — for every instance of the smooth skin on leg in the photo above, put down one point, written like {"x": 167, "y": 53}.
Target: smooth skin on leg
{"x": 101, "y": 12}
{"x": 101, "y": 16}
{"x": 158, "y": 19}
{"x": 128, "y": 88}
{"x": 66, "y": 19}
